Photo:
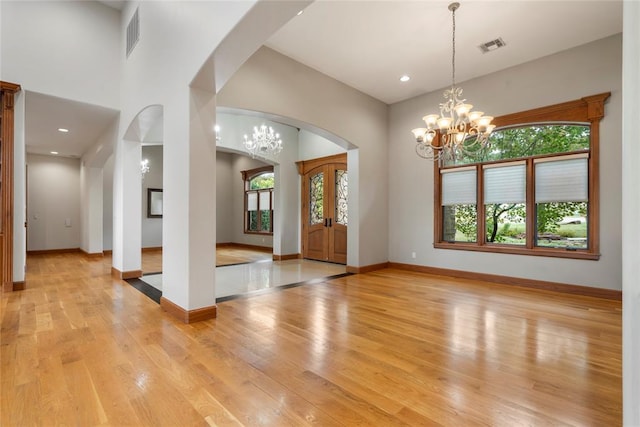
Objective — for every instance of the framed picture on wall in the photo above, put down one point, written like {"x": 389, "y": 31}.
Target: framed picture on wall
{"x": 154, "y": 202}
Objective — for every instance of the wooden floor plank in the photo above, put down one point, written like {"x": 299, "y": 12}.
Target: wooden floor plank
{"x": 385, "y": 348}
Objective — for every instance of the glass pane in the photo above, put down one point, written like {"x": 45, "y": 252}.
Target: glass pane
{"x": 252, "y": 221}
{"x": 265, "y": 220}
{"x": 526, "y": 141}
{"x": 562, "y": 225}
{"x": 252, "y": 201}
{"x": 506, "y": 223}
{"x": 316, "y": 199}
{"x": 459, "y": 223}
{"x": 262, "y": 181}
{"x": 341, "y": 213}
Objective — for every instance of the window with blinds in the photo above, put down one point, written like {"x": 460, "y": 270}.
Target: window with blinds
{"x": 532, "y": 191}
{"x": 258, "y": 200}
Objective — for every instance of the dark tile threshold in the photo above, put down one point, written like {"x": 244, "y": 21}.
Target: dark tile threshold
{"x": 155, "y": 294}
{"x": 146, "y": 289}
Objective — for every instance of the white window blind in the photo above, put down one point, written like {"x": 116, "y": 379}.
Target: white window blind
{"x": 459, "y": 187}
{"x": 252, "y": 201}
{"x": 265, "y": 198}
{"x": 505, "y": 184}
{"x": 562, "y": 180}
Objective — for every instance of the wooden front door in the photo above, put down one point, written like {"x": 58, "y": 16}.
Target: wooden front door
{"x": 324, "y": 209}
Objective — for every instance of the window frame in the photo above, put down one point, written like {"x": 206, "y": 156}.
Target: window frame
{"x": 247, "y": 177}
{"x": 589, "y": 111}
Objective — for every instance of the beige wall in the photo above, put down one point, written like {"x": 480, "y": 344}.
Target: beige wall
{"x": 53, "y": 198}
{"x": 569, "y": 75}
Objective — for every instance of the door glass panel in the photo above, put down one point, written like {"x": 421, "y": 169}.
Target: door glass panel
{"x": 342, "y": 188}
{"x": 316, "y": 199}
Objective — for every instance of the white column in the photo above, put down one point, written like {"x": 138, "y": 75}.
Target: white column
{"x": 189, "y": 218}
{"x": 19, "y": 189}
{"x": 91, "y": 204}
{"x": 127, "y": 208}
{"x": 630, "y": 209}
{"x": 286, "y": 227}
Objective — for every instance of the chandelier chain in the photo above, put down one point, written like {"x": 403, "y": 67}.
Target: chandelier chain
{"x": 453, "y": 50}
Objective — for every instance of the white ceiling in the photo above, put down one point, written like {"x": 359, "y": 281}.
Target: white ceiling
{"x": 45, "y": 114}
{"x": 369, "y": 44}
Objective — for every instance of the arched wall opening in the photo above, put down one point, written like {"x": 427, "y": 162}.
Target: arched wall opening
{"x": 276, "y": 87}
{"x": 130, "y": 218}
{"x": 301, "y": 141}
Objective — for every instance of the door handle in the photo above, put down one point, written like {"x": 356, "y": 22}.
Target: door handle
{"x": 326, "y": 221}
{"x": 329, "y": 222}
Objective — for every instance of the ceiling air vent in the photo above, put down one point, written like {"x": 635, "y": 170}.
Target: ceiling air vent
{"x": 492, "y": 45}
{"x": 133, "y": 32}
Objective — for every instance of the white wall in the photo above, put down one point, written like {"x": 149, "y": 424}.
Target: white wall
{"x": 19, "y": 190}
{"x": 107, "y": 205}
{"x": 91, "y": 209}
{"x": 313, "y": 146}
{"x": 54, "y": 197}
{"x": 224, "y": 197}
{"x": 565, "y": 76}
{"x": 630, "y": 208}
{"x": 151, "y": 227}
{"x": 62, "y": 48}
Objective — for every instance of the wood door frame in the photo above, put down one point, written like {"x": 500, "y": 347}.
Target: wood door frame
{"x": 324, "y": 164}
{"x": 7, "y": 91}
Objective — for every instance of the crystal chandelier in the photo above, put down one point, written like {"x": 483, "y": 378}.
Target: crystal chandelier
{"x": 462, "y": 131}
{"x": 263, "y": 141}
{"x": 144, "y": 167}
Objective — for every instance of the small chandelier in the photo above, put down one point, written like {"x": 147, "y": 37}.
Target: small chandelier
{"x": 144, "y": 167}
{"x": 264, "y": 141}
{"x": 216, "y": 128}
{"x": 462, "y": 131}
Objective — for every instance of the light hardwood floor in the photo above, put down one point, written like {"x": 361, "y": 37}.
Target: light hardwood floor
{"x": 382, "y": 349}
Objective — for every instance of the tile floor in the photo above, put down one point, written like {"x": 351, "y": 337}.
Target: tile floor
{"x": 242, "y": 279}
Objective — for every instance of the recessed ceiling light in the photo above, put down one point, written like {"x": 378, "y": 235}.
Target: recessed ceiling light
{"x": 300, "y": 13}
{"x": 405, "y": 78}
{"x": 63, "y": 130}
{"x": 54, "y": 152}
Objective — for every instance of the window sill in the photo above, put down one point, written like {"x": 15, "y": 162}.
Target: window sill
{"x": 503, "y": 249}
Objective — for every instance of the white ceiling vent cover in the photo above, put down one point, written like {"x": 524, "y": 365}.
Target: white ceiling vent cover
{"x": 492, "y": 45}
{"x": 133, "y": 32}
